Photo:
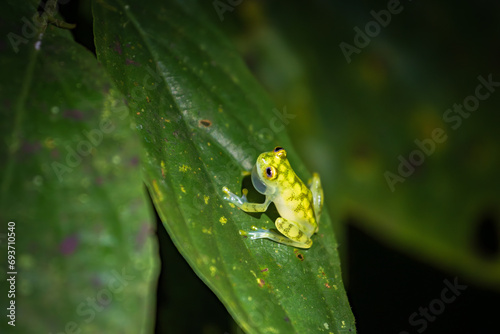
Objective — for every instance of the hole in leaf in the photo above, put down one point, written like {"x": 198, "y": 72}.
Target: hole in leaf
{"x": 486, "y": 241}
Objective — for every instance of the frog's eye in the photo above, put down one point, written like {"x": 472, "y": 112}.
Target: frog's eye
{"x": 270, "y": 173}
{"x": 280, "y": 152}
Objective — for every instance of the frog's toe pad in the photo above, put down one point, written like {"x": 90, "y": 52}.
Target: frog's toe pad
{"x": 229, "y": 196}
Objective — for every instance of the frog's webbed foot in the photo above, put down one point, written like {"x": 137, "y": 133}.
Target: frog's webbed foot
{"x": 235, "y": 199}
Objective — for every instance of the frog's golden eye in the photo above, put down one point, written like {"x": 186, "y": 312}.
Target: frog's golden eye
{"x": 277, "y": 149}
{"x": 270, "y": 173}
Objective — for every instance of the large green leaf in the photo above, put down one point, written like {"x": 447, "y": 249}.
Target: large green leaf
{"x": 203, "y": 120}
{"x": 69, "y": 181}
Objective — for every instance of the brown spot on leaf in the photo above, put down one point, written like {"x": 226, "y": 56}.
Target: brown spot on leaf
{"x": 99, "y": 181}
{"x": 69, "y": 244}
{"x": 55, "y": 154}
{"x": 142, "y": 236}
{"x": 118, "y": 47}
{"x": 205, "y": 122}
{"x": 131, "y": 62}
{"x": 73, "y": 114}
{"x": 31, "y": 148}
{"x": 134, "y": 161}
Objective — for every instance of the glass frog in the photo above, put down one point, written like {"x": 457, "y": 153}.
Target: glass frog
{"x": 299, "y": 206}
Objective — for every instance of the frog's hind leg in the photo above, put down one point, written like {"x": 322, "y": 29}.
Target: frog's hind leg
{"x": 292, "y": 235}
{"x": 317, "y": 193}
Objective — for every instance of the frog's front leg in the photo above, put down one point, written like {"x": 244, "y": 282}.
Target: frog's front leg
{"x": 243, "y": 203}
{"x": 292, "y": 234}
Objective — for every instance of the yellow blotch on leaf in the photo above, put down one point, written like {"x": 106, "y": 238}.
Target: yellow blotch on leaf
{"x": 184, "y": 168}
{"x": 223, "y": 220}
{"x": 158, "y": 193}
{"x": 49, "y": 143}
{"x": 163, "y": 168}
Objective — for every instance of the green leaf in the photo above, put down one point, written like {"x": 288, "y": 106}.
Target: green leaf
{"x": 69, "y": 182}
{"x": 203, "y": 120}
